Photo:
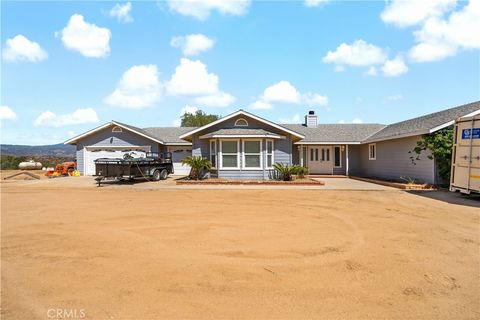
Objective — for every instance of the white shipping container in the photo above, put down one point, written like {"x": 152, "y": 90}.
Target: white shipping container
{"x": 465, "y": 175}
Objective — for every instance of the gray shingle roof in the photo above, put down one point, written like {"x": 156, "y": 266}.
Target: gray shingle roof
{"x": 423, "y": 124}
{"x": 169, "y": 134}
{"x": 143, "y": 131}
{"x": 242, "y": 131}
{"x": 336, "y": 132}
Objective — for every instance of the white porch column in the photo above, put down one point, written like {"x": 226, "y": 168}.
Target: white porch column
{"x": 346, "y": 165}
{"x": 300, "y": 150}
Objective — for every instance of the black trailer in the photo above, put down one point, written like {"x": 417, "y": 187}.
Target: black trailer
{"x": 152, "y": 167}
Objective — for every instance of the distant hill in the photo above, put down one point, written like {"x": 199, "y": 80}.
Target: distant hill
{"x": 46, "y": 150}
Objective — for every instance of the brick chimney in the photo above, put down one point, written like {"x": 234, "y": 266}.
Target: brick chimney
{"x": 311, "y": 119}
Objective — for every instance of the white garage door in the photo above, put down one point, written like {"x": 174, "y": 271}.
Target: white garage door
{"x": 178, "y": 154}
{"x": 94, "y": 153}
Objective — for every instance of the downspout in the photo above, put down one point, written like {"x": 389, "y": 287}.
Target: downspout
{"x": 346, "y": 164}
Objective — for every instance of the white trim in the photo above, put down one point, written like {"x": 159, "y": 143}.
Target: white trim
{"x": 214, "y": 141}
{"x": 241, "y": 125}
{"x": 326, "y": 143}
{"x": 178, "y": 143}
{"x": 241, "y": 112}
{"x": 106, "y": 125}
{"x": 340, "y": 155}
{"x": 370, "y": 152}
{"x": 116, "y": 147}
{"x": 266, "y": 153}
{"x": 260, "y": 153}
{"x": 450, "y": 123}
{"x": 220, "y": 164}
{"x": 347, "y": 161}
{"x": 268, "y": 136}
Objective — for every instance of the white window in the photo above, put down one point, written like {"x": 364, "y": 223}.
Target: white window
{"x": 337, "y": 152}
{"x": 116, "y": 129}
{"x": 269, "y": 153}
{"x": 241, "y": 123}
{"x": 229, "y": 154}
{"x": 252, "y": 154}
{"x": 372, "y": 151}
{"x": 213, "y": 153}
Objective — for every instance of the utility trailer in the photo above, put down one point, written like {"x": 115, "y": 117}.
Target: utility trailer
{"x": 153, "y": 167}
{"x": 465, "y": 174}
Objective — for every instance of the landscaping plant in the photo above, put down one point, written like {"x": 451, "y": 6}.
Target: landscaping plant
{"x": 440, "y": 145}
{"x": 197, "y": 164}
{"x": 286, "y": 171}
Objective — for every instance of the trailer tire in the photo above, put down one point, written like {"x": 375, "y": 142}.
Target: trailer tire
{"x": 163, "y": 174}
{"x": 156, "y": 176}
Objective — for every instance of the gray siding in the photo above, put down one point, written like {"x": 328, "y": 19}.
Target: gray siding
{"x": 282, "y": 149}
{"x": 354, "y": 165}
{"x": 392, "y": 161}
{"x": 106, "y": 137}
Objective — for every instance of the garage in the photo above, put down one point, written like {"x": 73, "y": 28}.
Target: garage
{"x": 94, "y": 153}
{"x": 178, "y": 154}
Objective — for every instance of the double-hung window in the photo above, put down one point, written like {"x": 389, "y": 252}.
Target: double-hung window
{"x": 269, "y": 153}
{"x": 252, "y": 154}
{"x": 213, "y": 153}
{"x": 229, "y": 151}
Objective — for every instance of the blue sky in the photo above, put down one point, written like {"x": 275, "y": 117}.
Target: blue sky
{"x": 70, "y": 66}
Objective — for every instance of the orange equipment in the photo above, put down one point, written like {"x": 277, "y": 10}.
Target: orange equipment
{"x": 62, "y": 169}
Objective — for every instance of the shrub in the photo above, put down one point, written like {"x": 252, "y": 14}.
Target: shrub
{"x": 197, "y": 164}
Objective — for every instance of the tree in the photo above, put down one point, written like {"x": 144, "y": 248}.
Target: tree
{"x": 440, "y": 145}
{"x": 197, "y": 119}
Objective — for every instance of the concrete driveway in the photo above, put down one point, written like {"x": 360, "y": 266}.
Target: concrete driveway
{"x": 350, "y": 184}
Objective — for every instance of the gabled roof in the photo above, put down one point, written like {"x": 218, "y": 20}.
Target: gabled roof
{"x": 170, "y": 135}
{"x": 425, "y": 124}
{"x": 130, "y": 128}
{"x": 336, "y": 133}
{"x": 242, "y": 132}
{"x": 244, "y": 113}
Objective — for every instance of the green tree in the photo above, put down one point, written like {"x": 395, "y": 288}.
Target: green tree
{"x": 440, "y": 145}
{"x": 197, "y": 119}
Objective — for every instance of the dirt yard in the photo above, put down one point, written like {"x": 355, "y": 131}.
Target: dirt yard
{"x": 129, "y": 253}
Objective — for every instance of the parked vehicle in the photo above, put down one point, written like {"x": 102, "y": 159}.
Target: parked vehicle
{"x": 62, "y": 169}
{"x": 465, "y": 175}
{"x": 154, "y": 167}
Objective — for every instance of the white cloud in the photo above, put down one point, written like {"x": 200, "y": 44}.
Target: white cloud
{"x": 122, "y": 12}
{"x": 261, "y": 105}
{"x": 359, "y": 53}
{"x": 71, "y": 134}
{"x": 404, "y": 13}
{"x": 355, "y": 120}
{"x": 294, "y": 119}
{"x": 201, "y": 9}
{"x": 138, "y": 88}
{"x": 395, "y": 97}
{"x": 20, "y": 48}
{"x": 79, "y": 116}
{"x": 187, "y": 109}
{"x": 315, "y": 99}
{"x": 6, "y": 113}
{"x": 192, "y": 44}
{"x": 315, "y": 3}
{"x": 220, "y": 99}
{"x": 283, "y": 92}
{"x": 86, "y": 38}
{"x": 339, "y": 68}
{"x": 372, "y": 71}
{"x": 440, "y": 38}
{"x": 394, "y": 67}
{"x": 191, "y": 78}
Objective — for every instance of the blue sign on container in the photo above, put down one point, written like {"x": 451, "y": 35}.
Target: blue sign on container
{"x": 467, "y": 133}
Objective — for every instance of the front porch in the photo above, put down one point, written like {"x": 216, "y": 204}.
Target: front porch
{"x": 323, "y": 159}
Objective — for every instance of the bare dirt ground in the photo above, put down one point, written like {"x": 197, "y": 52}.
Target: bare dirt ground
{"x": 129, "y": 253}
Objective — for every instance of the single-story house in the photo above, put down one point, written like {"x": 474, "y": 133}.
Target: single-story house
{"x": 242, "y": 145}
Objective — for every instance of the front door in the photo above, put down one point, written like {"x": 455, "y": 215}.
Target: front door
{"x": 320, "y": 160}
